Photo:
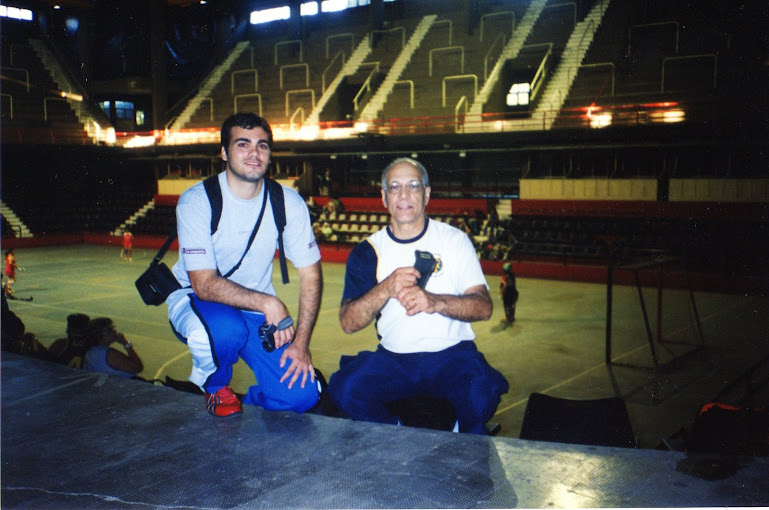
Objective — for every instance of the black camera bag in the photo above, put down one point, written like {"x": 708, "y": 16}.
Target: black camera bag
{"x": 157, "y": 282}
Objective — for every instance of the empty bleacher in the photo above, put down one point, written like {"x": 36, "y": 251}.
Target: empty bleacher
{"x": 32, "y": 111}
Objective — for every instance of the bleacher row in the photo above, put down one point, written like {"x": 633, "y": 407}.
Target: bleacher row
{"x": 31, "y": 110}
{"x": 284, "y": 79}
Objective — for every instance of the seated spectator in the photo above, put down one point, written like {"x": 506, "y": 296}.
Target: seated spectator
{"x": 328, "y": 232}
{"x": 462, "y": 225}
{"x": 498, "y": 252}
{"x": 14, "y": 337}
{"x": 11, "y": 327}
{"x": 317, "y": 229}
{"x": 100, "y": 357}
{"x": 314, "y": 209}
{"x": 29, "y": 345}
{"x": 71, "y": 350}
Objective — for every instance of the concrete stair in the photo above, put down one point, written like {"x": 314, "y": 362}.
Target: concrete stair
{"x": 559, "y": 84}
{"x": 135, "y": 216}
{"x": 208, "y": 86}
{"x": 375, "y": 105}
{"x": 511, "y": 50}
{"x": 19, "y": 228}
{"x": 96, "y": 132}
{"x": 353, "y": 63}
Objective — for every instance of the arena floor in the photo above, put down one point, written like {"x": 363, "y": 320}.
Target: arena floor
{"x": 556, "y": 346}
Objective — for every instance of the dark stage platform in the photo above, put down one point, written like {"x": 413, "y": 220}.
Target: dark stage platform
{"x": 76, "y": 439}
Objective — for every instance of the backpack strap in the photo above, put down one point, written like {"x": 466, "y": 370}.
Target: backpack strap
{"x": 214, "y": 192}
{"x": 275, "y": 190}
{"x": 279, "y": 212}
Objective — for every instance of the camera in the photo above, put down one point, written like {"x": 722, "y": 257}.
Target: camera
{"x": 267, "y": 332}
{"x": 425, "y": 264}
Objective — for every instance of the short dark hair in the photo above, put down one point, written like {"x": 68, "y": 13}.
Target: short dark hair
{"x": 77, "y": 324}
{"x": 244, "y": 120}
{"x": 97, "y": 328}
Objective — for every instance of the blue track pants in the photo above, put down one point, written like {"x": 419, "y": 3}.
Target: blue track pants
{"x": 459, "y": 374}
{"x": 217, "y": 336}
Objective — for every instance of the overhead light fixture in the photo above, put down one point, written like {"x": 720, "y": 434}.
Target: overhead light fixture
{"x": 364, "y": 156}
{"x": 414, "y": 155}
{"x": 462, "y": 154}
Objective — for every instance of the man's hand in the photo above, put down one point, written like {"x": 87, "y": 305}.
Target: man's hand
{"x": 275, "y": 311}
{"x": 416, "y": 300}
{"x": 356, "y": 314}
{"x": 301, "y": 365}
{"x": 400, "y": 279}
{"x": 474, "y": 305}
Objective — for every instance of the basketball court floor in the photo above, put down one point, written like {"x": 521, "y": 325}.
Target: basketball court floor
{"x": 556, "y": 346}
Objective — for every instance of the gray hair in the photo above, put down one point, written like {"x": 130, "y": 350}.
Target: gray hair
{"x": 413, "y": 162}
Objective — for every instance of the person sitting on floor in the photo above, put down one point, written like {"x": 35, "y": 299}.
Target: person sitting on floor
{"x": 100, "y": 357}
{"x": 71, "y": 350}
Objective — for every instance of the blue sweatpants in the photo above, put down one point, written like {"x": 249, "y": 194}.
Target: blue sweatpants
{"x": 460, "y": 374}
{"x": 234, "y": 334}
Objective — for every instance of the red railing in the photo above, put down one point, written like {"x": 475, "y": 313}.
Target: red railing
{"x": 585, "y": 117}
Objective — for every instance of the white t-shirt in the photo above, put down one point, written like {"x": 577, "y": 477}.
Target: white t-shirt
{"x": 457, "y": 270}
{"x": 199, "y": 250}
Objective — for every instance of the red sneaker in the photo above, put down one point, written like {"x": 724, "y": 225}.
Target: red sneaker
{"x": 223, "y": 403}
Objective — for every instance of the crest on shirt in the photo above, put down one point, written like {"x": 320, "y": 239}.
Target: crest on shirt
{"x": 438, "y": 265}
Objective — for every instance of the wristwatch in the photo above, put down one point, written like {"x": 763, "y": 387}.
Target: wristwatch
{"x": 128, "y": 345}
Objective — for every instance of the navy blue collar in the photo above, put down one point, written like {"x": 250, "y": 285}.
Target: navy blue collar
{"x": 406, "y": 241}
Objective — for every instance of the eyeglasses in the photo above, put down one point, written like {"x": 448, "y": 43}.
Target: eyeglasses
{"x": 412, "y": 187}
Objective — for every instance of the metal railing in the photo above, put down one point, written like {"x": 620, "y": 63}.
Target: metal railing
{"x": 690, "y": 57}
{"x": 366, "y": 87}
{"x": 410, "y": 83}
{"x": 337, "y": 36}
{"x": 339, "y": 54}
{"x": 289, "y": 43}
{"x": 291, "y": 93}
{"x": 488, "y": 56}
{"x": 456, "y": 78}
{"x": 244, "y": 71}
{"x": 19, "y": 69}
{"x": 243, "y": 96}
{"x": 494, "y": 14}
{"x": 402, "y": 30}
{"x": 10, "y": 100}
{"x": 445, "y": 49}
{"x": 295, "y": 66}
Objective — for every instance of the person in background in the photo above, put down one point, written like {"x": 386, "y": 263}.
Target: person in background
{"x": 12, "y": 328}
{"x": 29, "y": 345}
{"x": 10, "y": 272}
{"x": 102, "y": 357}
{"x": 128, "y": 246}
{"x": 426, "y": 344}
{"x": 508, "y": 292}
{"x": 71, "y": 350}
